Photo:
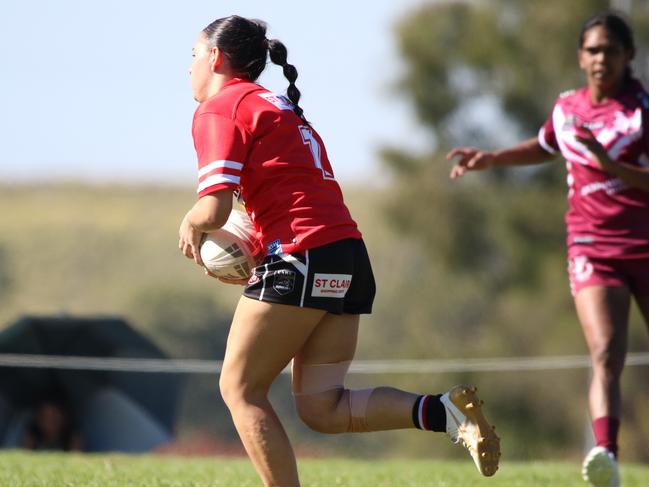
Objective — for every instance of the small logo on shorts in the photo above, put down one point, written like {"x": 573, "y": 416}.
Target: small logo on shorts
{"x": 581, "y": 268}
{"x": 253, "y": 279}
{"x": 283, "y": 281}
{"x": 331, "y": 285}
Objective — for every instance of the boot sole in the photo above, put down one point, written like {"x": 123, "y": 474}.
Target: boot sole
{"x": 486, "y": 450}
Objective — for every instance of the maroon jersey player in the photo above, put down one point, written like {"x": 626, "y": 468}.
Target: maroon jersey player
{"x": 304, "y": 301}
{"x": 607, "y": 217}
{"x": 602, "y": 132}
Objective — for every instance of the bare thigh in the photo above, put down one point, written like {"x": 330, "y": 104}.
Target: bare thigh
{"x": 604, "y": 315}
{"x": 333, "y": 340}
{"x": 263, "y": 339}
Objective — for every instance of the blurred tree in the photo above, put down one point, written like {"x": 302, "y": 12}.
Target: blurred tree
{"x": 521, "y": 53}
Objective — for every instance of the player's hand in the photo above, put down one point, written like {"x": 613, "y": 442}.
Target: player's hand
{"x": 209, "y": 274}
{"x": 471, "y": 159}
{"x": 239, "y": 282}
{"x": 587, "y": 138}
{"x": 190, "y": 240}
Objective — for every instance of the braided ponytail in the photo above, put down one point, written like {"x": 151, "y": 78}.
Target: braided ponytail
{"x": 278, "y": 55}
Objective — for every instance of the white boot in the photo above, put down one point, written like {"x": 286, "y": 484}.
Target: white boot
{"x": 600, "y": 468}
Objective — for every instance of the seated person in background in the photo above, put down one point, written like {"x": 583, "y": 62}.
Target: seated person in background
{"x": 51, "y": 428}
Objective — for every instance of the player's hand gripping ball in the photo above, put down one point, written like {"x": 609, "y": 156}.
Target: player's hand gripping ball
{"x": 233, "y": 250}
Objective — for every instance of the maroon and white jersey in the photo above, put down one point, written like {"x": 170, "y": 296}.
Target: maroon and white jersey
{"x": 249, "y": 139}
{"x": 606, "y": 218}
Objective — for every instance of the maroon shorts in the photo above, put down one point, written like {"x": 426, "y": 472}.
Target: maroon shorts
{"x": 589, "y": 271}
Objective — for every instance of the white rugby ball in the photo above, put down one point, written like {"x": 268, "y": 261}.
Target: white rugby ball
{"x": 233, "y": 250}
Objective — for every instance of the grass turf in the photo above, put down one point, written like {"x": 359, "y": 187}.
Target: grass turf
{"x": 24, "y": 469}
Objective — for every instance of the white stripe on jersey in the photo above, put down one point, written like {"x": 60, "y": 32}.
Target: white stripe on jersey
{"x": 219, "y": 164}
{"x": 218, "y": 179}
{"x": 571, "y": 154}
{"x": 575, "y": 154}
{"x": 558, "y": 119}
{"x": 548, "y": 148}
{"x": 634, "y": 132}
{"x": 622, "y": 143}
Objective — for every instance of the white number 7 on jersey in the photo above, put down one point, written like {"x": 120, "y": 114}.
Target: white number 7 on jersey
{"x": 314, "y": 147}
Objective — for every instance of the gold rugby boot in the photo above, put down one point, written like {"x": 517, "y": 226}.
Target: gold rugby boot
{"x": 465, "y": 423}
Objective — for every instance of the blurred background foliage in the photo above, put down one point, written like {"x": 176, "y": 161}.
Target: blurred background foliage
{"x": 494, "y": 281}
{"x": 466, "y": 269}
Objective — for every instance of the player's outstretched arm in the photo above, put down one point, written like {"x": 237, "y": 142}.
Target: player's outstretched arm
{"x": 472, "y": 159}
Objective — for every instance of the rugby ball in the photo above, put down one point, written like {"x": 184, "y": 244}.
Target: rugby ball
{"x": 233, "y": 250}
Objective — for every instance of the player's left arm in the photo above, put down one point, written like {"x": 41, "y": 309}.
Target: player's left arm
{"x": 633, "y": 175}
{"x": 209, "y": 213}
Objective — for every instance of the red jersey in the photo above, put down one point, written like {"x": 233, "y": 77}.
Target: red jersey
{"x": 606, "y": 217}
{"x": 249, "y": 139}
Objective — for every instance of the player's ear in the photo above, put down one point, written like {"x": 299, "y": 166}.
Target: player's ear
{"x": 580, "y": 57}
{"x": 216, "y": 58}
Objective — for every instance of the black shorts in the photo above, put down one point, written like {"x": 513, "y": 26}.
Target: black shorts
{"x": 336, "y": 277}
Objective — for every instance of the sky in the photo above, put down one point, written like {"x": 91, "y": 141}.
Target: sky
{"x": 99, "y": 91}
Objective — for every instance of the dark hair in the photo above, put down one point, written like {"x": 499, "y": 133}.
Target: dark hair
{"x": 616, "y": 25}
{"x": 243, "y": 41}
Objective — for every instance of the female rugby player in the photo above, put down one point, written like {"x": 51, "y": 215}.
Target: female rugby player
{"x": 602, "y": 131}
{"x": 304, "y": 301}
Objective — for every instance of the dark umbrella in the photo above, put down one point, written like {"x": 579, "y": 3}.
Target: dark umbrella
{"x": 87, "y": 337}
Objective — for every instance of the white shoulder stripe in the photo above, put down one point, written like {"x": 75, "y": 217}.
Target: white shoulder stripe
{"x": 219, "y": 164}
{"x": 547, "y": 147}
{"x": 218, "y": 179}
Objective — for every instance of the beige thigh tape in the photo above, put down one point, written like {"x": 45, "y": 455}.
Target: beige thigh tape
{"x": 315, "y": 378}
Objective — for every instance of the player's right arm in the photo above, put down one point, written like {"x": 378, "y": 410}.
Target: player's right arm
{"x": 221, "y": 145}
{"x": 209, "y": 213}
{"x": 534, "y": 150}
{"x": 527, "y": 152}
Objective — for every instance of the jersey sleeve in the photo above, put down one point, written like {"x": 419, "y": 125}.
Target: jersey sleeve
{"x": 548, "y": 136}
{"x": 221, "y": 147}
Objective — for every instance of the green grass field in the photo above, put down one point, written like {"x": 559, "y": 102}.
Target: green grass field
{"x": 19, "y": 469}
